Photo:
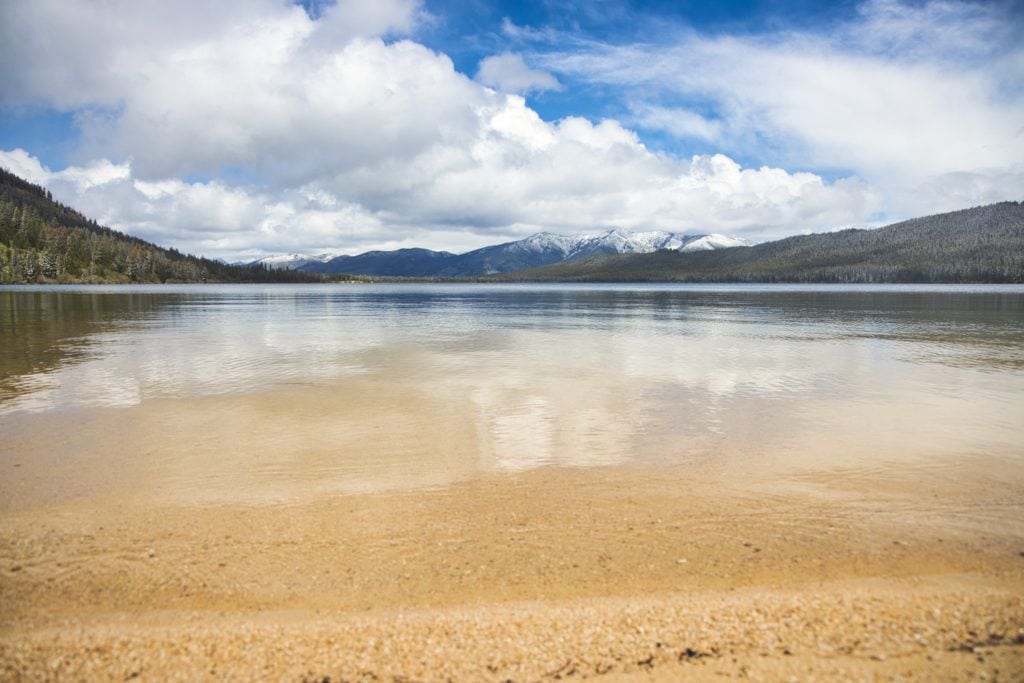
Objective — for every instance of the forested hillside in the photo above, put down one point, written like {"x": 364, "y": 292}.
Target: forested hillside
{"x": 42, "y": 240}
{"x": 981, "y": 244}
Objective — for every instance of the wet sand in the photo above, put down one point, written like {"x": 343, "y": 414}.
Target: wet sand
{"x": 618, "y": 572}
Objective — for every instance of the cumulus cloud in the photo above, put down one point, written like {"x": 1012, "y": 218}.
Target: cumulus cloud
{"x": 509, "y": 73}
{"x": 202, "y": 217}
{"x": 521, "y": 175}
{"x": 347, "y": 19}
{"x": 577, "y": 175}
{"x": 78, "y": 54}
{"x": 902, "y": 96}
{"x": 289, "y": 116}
{"x": 352, "y": 141}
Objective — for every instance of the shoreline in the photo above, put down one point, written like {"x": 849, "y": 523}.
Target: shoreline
{"x": 931, "y": 629}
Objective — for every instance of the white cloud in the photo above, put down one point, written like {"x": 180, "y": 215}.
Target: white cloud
{"x": 517, "y": 178}
{"x": 202, "y": 217}
{"x": 74, "y": 53}
{"x": 679, "y": 122}
{"x": 347, "y": 19}
{"x": 259, "y": 102}
{"x": 576, "y": 175}
{"x": 961, "y": 189}
{"x": 939, "y": 30}
{"x": 354, "y": 142}
{"x": 509, "y": 73}
{"x": 24, "y": 165}
{"x": 901, "y": 97}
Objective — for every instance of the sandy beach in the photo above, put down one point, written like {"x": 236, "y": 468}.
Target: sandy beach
{"x": 549, "y": 574}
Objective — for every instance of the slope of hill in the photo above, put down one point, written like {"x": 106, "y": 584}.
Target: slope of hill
{"x": 981, "y": 244}
{"x": 42, "y": 240}
{"x": 400, "y": 262}
{"x": 540, "y": 249}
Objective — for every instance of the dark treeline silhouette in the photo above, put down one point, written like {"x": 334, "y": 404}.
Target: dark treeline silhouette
{"x": 42, "y": 240}
{"x": 984, "y": 244}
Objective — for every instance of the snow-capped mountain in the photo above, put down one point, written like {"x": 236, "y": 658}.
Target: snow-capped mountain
{"x": 545, "y": 248}
{"x": 541, "y": 249}
{"x": 713, "y": 241}
{"x": 291, "y": 261}
{"x": 617, "y": 241}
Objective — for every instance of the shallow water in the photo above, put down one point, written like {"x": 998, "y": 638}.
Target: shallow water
{"x": 285, "y": 392}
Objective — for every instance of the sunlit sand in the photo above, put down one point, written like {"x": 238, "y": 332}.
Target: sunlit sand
{"x": 175, "y": 567}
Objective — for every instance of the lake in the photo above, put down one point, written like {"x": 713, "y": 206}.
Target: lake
{"x": 278, "y": 393}
{"x": 476, "y": 482}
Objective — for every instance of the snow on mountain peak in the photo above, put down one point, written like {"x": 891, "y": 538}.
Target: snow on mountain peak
{"x": 545, "y": 241}
{"x": 292, "y": 261}
{"x": 619, "y": 241}
{"x": 714, "y": 241}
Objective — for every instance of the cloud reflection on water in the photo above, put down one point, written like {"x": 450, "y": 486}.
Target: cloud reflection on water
{"x": 433, "y": 382}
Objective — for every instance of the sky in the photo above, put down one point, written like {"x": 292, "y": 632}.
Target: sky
{"x": 244, "y": 128}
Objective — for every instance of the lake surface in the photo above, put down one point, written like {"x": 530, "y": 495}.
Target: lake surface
{"x": 214, "y": 393}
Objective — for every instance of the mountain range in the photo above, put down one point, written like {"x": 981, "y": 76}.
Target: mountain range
{"x": 541, "y": 249}
{"x": 980, "y": 244}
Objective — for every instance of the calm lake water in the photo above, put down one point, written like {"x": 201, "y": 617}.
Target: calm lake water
{"x": 286, "y": 391}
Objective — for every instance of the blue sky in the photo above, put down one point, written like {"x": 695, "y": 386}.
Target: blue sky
{"x": 469, "y": 32}
{"x": 249, "y": 127}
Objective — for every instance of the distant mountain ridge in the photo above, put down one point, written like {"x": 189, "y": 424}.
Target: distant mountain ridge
{"x": 400, "y": 262}
{"x": 541, "y": 249}
{"x": 980, "y": 244}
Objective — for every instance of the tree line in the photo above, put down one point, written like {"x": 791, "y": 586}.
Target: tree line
{"x": 44, "y": 241}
